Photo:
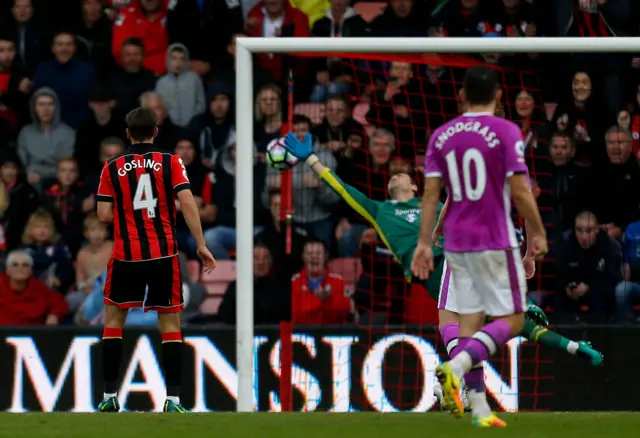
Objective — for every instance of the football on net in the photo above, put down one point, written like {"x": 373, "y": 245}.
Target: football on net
{"x": 278, "y": 156}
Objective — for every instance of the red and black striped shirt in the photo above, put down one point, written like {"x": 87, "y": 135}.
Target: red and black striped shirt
{"x": 142, "y": 184}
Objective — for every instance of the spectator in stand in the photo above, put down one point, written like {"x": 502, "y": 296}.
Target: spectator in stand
{"x": 266, "y": 293}
{"x": 202, "y": 182}
{"x": 530, "y": 117}
{"x": 42, "y": 143}
{"x": 52, "y": 262}
{"x": 268, "y": 116}
{"x": 110, "y": 148}
{"x": 274, "y": 237}
{"x": 23, "y": 198}
{"x": 399, "y": 108}
{"x": 589, "y": 268}
{"x": 93, "y": 34}
{"x": 30, "y": 35}
{"x": 147, "y": 22}
{"x": 132, "y": 80}
{"x": 277, "y": 18}
{"x": 464, "y": 18}
{"x": 516, "y": 18}
{"x": 181, "y": 89}
{"x": 318, "y": 296}
{"x": 25, "y": 300}
{"x": 618, "y": 182}
{"x": 571, "y": 184}
{"x": 369, "y": 174}
{"x": 214, "y": 127}
{"x": 314, "y": 9}
{"x": 579, "y": 115}
{"x": 628, "y": 291}
{"x": 339, "y": 20}
{"x": 168, "y": 132}
{"x": 14, "y": 85}
{"x": 401, "y": 18}
{"x": 227, "y": 75}
{"x": 221, "y": 239}
{"x": 313, "y": 201}
{"x": 92, "y": 259}
{"x": 70, "y": 77}
{"x": 206, "y": 28}
{"x": 336, "y": 128}
{"x": 101, "y": 123}
{"x": 64, "y": 201}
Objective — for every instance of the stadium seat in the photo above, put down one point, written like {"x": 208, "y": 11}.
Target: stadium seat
{"x": 349, "y": 268}
{"x": 194, "y": 271}
{"x": 211, "y": 305}
{"x": 315, "y": 111}
{"x": 225, "y": 272}
{"x": 216, "y": 289}
{"x": 369, "y": 10}
{"x": 419, "y": 307}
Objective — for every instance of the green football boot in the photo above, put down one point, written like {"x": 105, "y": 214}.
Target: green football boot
{"x": 109, "y": 405}
{"x": 170, "y": 406}
{"x": 586, "y": 350}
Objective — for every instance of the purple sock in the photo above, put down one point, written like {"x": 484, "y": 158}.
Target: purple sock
{"x": 487, "y": 341}
{"x": 449, "y": 333}
{"x": 475, "y": 379}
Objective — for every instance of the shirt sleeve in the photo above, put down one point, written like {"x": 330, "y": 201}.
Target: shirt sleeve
{"x": 514, "y": 149}
{"x": 179, "y": 178}
{"x": 365, "y": 207}
{"x": 105, "y": 188}
{"x": 431, "y": 165}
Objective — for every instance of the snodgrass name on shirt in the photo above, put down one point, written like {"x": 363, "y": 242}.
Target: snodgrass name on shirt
{"x": 334, "y": 369}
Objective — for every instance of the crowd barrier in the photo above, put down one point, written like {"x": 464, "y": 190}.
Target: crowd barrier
{"x": 335, "y": 369}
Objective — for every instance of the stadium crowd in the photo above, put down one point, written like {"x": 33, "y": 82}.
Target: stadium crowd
{"x": 70, "y": 70}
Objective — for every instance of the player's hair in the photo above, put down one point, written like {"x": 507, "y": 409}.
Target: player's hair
{"x": 133, "y": 41}
{"x": 67, "y": 160}
{"x": 301, "y": 118}
{"x": 91, "y": 220}
{"x": 112, "y": 141}
{"x": 141, "y": 124}
{"x": 480, "y": 85}
{"x": 565, "y": 135}
{"x": 40, "y": 216}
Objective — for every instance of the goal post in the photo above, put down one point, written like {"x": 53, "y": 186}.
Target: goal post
{"x": 246, "y": 47}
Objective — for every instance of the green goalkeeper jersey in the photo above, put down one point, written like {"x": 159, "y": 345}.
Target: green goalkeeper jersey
{"x": 397, "y": 223}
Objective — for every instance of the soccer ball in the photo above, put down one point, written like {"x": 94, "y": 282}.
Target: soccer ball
{"x": 278, "y": 156}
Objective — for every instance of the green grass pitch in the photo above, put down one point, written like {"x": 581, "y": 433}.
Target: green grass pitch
{"x": 314, "y": 425}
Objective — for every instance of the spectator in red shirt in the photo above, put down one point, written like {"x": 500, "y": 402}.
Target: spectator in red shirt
{"x": 25, "y": 300}
{"x": 318, "y": 296}
{"x": 276, "y": 18}
{"x": 147, "y": 22}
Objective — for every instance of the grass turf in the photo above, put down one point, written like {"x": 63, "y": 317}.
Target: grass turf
{"x": 313, "y": 425}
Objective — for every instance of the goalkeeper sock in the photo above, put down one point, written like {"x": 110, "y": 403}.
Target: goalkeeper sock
{"x": 450, "y": 333}
{"x": 172, "y": 364}
{"x": 483, "y": 344}
{"x": 111, "y": 358}
{"x": 543, "y": 336}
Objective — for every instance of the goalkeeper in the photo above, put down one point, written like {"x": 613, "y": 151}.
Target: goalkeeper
{"x": 397, "y": 222}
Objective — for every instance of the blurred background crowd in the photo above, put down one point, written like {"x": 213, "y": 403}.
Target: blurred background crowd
{"x": 70, "y": 70}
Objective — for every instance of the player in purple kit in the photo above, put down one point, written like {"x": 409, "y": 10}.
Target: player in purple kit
{"x": 480, "y": 159}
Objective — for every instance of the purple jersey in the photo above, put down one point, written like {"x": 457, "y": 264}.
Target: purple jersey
{"x": 475, "y": 154}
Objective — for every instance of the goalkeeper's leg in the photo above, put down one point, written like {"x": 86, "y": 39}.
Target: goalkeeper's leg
{"x": 540, "y": 335}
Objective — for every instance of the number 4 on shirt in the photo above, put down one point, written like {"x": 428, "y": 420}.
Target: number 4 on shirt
{"x": 143, "y": 198}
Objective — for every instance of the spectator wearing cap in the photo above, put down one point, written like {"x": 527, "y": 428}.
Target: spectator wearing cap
{"x": 168, "y": 132}
{"x": 23, "y": 197}
{"x": 181, "y": 89}
{"x": 30, "y": 35}
{"x": 25, "y": 300}
{"x": 93, "y": 32}
{"x": 618, "y": 182}
{"x": 100, "y": 124}
{"x": 132, "y": 80}
{"x": 69, "y": 77}
{"x": 146, "y": 21}
{"x": 206, "y": 28}
{"x": 47, "y": 139}
{"x": 213, "y": 128}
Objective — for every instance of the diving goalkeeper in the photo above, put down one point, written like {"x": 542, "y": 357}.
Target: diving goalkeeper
{"x": 397, "y": 222}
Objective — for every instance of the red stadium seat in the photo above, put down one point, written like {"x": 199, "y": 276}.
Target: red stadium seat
{"x": 369, "y": 10}
{"x": 315, "y": 111}
{"x": 419, "y": 307}
{"x": 225, "y": 272}
{"x": 211, "y": 305}
{"x": 349, "y": 268}
{"x": 194, "y": 271}
{"x": 217, "y": 288}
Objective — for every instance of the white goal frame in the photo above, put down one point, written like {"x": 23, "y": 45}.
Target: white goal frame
{"x": 246, "y": 47}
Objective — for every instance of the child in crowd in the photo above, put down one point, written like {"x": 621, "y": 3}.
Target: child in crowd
{"x": 52, "y": 261}
{"x": 94, "y": 256}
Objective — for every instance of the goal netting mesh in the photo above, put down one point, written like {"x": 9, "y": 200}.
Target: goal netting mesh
{"x": 373, "y": 121}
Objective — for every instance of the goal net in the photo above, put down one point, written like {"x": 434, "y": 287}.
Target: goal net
{"x": 373, "y": 122}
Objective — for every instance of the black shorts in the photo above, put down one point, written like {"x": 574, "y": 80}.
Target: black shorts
{"x": 127, "y": 283}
